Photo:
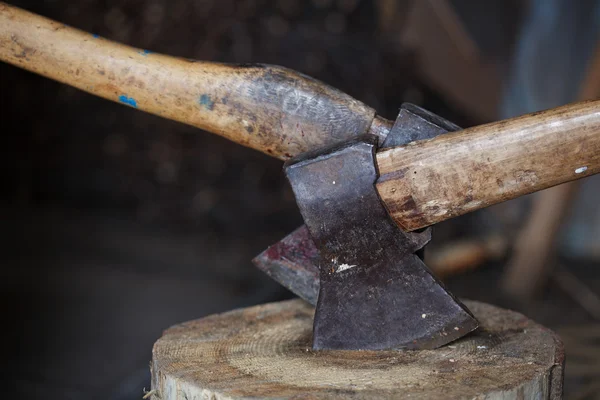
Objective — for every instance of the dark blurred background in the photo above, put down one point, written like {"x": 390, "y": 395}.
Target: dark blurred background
{"x": 116, "y": 224}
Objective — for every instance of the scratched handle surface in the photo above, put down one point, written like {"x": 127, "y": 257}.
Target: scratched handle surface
{"x": 272, "y": 109}
{"x": 430, "y": 181}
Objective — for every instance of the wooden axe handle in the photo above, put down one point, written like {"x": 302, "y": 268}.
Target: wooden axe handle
{"x": 271, "y": 109}
{"x": 284, "y": 113}
{"x": 430, "y": 181}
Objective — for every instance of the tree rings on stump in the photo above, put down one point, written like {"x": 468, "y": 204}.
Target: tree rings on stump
{"x": 265, "y": 352}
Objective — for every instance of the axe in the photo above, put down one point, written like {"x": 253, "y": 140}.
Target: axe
{"x": 367, "y": 188}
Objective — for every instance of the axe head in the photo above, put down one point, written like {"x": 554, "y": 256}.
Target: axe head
{"x": 353, "y": 262}
{"x": 375, "y": 292}
{"x": 293, "y": 261}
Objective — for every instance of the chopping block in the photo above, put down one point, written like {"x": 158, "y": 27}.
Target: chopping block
{"x": 265, "y": 352}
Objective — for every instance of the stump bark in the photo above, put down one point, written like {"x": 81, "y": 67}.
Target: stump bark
{"x": 265, "y": 352}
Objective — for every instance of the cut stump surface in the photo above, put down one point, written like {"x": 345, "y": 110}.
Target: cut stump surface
{"x": 265, "y": 352}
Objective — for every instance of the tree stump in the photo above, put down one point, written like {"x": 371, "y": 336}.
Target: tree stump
{"x": 265, "y": 352}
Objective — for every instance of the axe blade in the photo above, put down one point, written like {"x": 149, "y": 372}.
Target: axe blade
{"x": 293, "y": 263}
{"x": 402, "y": 306}
{"x": 375, "y": 293}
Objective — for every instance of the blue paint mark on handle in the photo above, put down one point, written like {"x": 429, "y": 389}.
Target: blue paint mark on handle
{"x": 128, "y": 100}
{"x": 145, "y": 52}
{"x": 96, "y": 36}
{"x": 206, "y": 102}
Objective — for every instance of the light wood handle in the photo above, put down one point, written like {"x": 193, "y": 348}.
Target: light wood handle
{"x": 272, "y": 109}
{"x": 430, "y": 181}
{"x": 284, "y": 113}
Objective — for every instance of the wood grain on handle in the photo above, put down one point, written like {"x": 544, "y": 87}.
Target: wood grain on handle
{"x": 272, "y": 109}
{"x": 430, "y": 181}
